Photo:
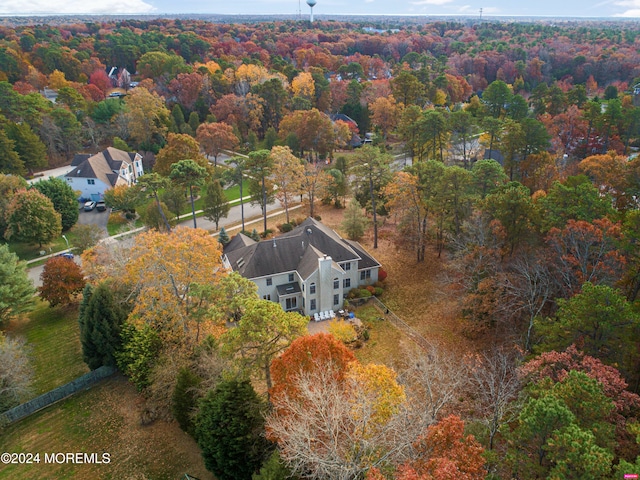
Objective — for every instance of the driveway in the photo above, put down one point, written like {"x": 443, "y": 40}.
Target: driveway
{"x": 94, "y": 218}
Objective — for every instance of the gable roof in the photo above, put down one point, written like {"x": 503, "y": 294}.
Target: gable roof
{"x": 297, "y": 250}
{"x": 103, "y": 165}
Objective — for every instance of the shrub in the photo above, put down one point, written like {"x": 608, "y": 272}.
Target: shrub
{"x": 378, "y": 291}
{"x": 318, "y": 218}
{"x": 343, "y": 331}
{"x": 184, "y": 400}
{"x": 116, "y": 219}
{"x": 382, "y": 275}
{"x": 353, "y": 293}
{"x": 371, "y": 289}
{"x": 266, "y": 233}
{"x": 364, "y": 293}
{"x": 285, "y": 227}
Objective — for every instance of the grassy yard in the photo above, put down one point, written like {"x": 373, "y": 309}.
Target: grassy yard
{"x": 104, "y": 419}
{"x": 27, "y": 251}
{"x": 386, "y": 344}
{"x": 53, "y": 336}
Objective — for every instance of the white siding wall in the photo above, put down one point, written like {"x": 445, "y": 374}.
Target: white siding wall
{"x": 278, "y": 279}
{"x": 81, "y": 185}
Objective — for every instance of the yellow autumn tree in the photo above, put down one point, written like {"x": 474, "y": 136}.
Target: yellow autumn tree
{"x": 288, "y": 172}
{"x": 211, "y": 66}
{"x": 385, "y": 114}
{"x": 173, "y": 275}
{"x": 375, "y": 395}
{"x": 148, "y": 118}
{"x": 57, "y": 80}
{"x": 303, "y": 86}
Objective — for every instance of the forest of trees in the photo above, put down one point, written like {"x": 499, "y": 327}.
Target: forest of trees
{"x": 523, "y": 182}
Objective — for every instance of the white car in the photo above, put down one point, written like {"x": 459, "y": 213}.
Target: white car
{"x": 89, "y": 206}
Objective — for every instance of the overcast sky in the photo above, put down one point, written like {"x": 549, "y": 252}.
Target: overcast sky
{"x": 564, "y": 8}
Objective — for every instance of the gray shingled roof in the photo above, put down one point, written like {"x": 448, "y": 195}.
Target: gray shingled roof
{"x": 297, "y": 250}
{"x": 238, "y": 241}
{"x": 101, "y": 165}
{"x": 366, "y": 260}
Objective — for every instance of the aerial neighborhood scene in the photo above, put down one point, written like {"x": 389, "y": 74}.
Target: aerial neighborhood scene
{"x": 363, "y": 240}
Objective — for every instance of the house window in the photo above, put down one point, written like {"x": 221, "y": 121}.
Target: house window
{"x": 291, "y": 303}
{"x": 267, "y": 297}
{"x": 91, "y": 181}
{"x": 336, "y": 299}
{"x": 336, "y": 284}
{"x": 312, "y": 304}
{"x": 365, "y": 274}
{"x": 291, "y": 277}
{"x": 347, "y": 267}
{"x": 346, "y": 283}
{"x": 269, "y": 282}
{"x": 302, "y": 302}
{"x": 312, "y": 288}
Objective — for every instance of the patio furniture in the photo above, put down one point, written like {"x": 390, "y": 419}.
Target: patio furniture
{"x": 332, "y": 314}
{"x": 316, "y": 317}
{"x": 322, "y": 317}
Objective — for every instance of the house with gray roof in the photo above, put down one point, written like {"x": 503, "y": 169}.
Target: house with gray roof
{"x": 309, "y": 269}
{"x": 92, "y": 175}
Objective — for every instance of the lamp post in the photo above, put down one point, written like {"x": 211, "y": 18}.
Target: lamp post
{"x": 65, "y": 239}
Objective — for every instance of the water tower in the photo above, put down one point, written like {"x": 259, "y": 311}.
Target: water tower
{"x": 312, "y": 4}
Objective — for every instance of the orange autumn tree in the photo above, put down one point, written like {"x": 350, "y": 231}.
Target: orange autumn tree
{"x": 333, "y": 417}
{"x": 62, "y": 280}
{"x": 444, "y": 453}
{"x": 168, "y": 273}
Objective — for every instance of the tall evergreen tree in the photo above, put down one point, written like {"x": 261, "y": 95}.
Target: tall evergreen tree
{"x": 230, "y": 431}
{"x": 216, "y": 206}
{"x": 16, "y": 290}
{"x": 101, "y": 319}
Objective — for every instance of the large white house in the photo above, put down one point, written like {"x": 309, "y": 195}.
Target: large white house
{"x": 309, "y": 269}
{"x": 92, "y": 175}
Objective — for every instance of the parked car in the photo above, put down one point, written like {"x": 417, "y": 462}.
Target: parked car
{"x": 101, "y": 206}
{"x": 68, "y": 255}
{"x": 90, "y": 205}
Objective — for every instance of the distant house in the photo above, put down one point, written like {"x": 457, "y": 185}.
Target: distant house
{"x": 309, "y": 269}
{"x": 120, "y": 77}
{"x": 355, "y": 141}
{"x": 94, "y": 174}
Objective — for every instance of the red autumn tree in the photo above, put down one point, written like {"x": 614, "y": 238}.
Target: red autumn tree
{"x": 445, "y": 453}
{"x": 586, "y": 252}
{"x": 100, "y": 79}
{"x": 216, "y": 137}
{"x": 307, "y": 354}
{"x": 61, "y": 279}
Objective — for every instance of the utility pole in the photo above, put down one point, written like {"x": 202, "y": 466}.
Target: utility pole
{"x": 480, "y": 13}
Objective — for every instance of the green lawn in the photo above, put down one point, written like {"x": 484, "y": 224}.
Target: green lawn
{"x": 27, "y": 251}
{"x": 53, "y": 336}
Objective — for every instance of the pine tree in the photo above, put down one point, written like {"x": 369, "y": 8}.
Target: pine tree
{"x": 223, "y": 237}
{"x": 255, "y": 235}
{"x": 184, "y": 400}
{"x": 101, "y": 319}
{"x": 230, "y": 431}
{"x": 216, "y": 206}
{"x": 355, "y": 221}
